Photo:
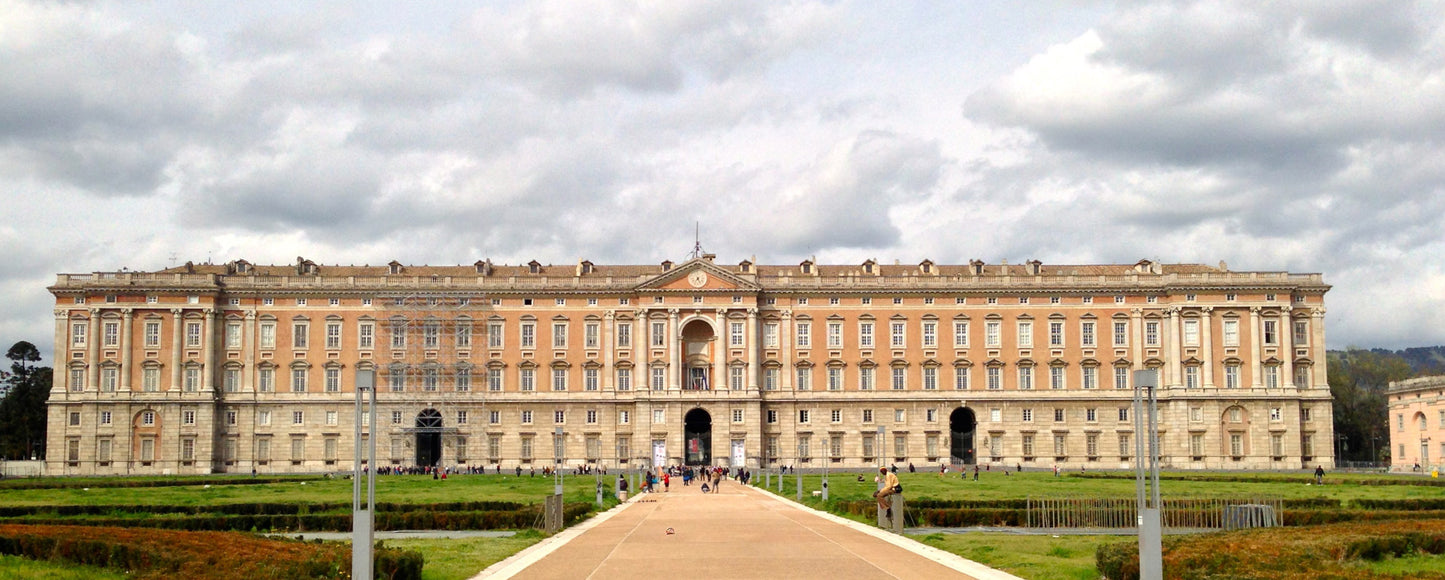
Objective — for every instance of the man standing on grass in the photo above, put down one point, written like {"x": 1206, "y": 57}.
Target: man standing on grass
{"x": 1319, "y": 475}
{"x": 890, "y": 487}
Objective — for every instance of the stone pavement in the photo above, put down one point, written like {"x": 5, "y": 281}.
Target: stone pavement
{"x": 739, "y": 532}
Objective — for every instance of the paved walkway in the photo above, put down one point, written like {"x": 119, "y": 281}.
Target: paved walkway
{"x": 740, "y": 532}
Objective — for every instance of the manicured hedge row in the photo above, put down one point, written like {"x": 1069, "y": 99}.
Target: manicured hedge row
{"x": 250, "y": 508}
{"x": 1302, "y": 477}
{"x": 148, "y": 554}
{"x": 81, "y": 483}
{"x": 1400, "y": 504}
{"x": 1317, "y": 517}
{"x": 1294, "y": 553}
{"x": 527, "y": 517}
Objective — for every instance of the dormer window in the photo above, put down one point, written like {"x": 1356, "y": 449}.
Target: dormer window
{"x": 745, "y": 267}
{"x": 870, "y": 267}
{"x": 666, "y": 265}
{"x": 484, "y": 267}
{"x": 926, "y": 266}
{"x": 806, "y": 267}
{"x": 534, "y": 267}
{"x": 394, "y": 267}
{"x": 976, "y": 266}
{"x": 1035, "y": 267}
{"x": 584, "y": 267}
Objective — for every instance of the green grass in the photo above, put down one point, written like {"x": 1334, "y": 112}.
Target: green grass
{"x": 462, "y": 558}
{"x": 389, "y": 488}
{"x": 1033, "y": 557}
{"x": 1407, "y": 566}
{"x": 993, "y": 485}
{"x": 15, "y": 567}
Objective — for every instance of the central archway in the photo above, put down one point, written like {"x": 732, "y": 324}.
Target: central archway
{"x": 428, "y": 438}
{"x": 697, "y": 438}
{"x": 961, "y": 426}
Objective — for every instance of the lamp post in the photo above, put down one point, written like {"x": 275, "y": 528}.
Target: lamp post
{"x": 558, "y": 445}
{"x": 1342, "y": 444}
{"x": 362, "y": 514}
{"x": 1146, "y": 428}
{"x": 1374, "y": 457}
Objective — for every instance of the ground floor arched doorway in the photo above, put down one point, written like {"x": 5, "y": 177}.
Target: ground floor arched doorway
{"x": 697, "y": 438}
{"x": 961, "y": 427}
{"x": 428, "y": 438}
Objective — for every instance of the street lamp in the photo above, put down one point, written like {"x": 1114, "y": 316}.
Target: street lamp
{"x": 363, "y": 513}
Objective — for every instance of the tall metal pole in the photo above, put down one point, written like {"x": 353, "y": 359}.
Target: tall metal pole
{"x": 1151, "y": 559}
{"x": 362, "y": 514}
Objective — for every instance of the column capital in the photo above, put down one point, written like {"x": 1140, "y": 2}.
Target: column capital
{"x": 1286, "y": 308}
{"x": 1255, "y": 309}
{"x": 250, "y": 315}
{"x": 787, "y": 313}
{"x": 61, "y": 314}
{"x": 1136, "y": 311}
{"x": 673, "y": 312}
{"x": 127, "y": 312}
{"x": 1318, "y": 312}
{"x": 609, "y": 314}
{"x": 178, "y": 311}
{"x": 752, "y": 312}
{"x": 1207, "y": 310}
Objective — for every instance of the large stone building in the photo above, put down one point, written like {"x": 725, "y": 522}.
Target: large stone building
{"x": 1417, "y": 421}
{"x": 234, "y": 367}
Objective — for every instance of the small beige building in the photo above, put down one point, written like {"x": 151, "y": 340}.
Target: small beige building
{"x": 1417, "y": 423}
{"x": 233, "y": 367}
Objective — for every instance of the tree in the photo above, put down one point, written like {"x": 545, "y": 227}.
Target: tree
{"x": 1358, "y": 380}
{"x": 22, "y": 411}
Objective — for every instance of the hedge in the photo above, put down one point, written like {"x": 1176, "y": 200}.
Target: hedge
{"x": 81, "y": 483}
{"x": 1282, "y": 553}
{"x": 250, "y": 508}
{"x": 197, "y": 555}
{"x": 526, "y": 517}
{"x": 1303, "y": 476}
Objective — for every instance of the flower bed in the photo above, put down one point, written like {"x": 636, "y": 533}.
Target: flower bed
{"x": 147, "y": 553}
{"x": 1282, "y": 553}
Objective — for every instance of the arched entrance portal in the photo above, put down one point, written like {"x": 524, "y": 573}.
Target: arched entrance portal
{"x": 698, "y": 339}
{"x": 428, "y": 438}
{"x": 961, "y": 426}
{"x": 697, "y": 438}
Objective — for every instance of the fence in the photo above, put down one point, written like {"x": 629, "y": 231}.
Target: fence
{"x": 22, "y": 468}
{"x": 1176, "y": 514}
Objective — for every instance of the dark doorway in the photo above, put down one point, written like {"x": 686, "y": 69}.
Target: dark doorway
{"x": 961, "y": 425}
{"x": 428, "y": 438}
{"x": 697, "y": 438}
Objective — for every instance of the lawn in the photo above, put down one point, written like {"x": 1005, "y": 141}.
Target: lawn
{"x": 462, "y": 558}
{"x": 389, "y": 488}
{"x": 993, "y": 485}
{"x": 17, "y": 568}
{"x": 1036, "y": 557}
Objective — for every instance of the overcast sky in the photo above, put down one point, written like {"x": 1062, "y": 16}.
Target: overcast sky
{"x": 1302, "y": 136}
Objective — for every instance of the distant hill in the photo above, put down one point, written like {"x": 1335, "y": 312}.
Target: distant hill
{"x": 1423, "y": 360}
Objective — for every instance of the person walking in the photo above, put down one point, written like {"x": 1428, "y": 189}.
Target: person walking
{"x": 1319, "y": 475}
{"x": 975, "y": 472}
{"x": 890, "y": 487}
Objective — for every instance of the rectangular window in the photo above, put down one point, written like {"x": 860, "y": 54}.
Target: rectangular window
{"x": 1271, "y": 332}
{"x": 110, "y": 334}
{"x": 900, "y": 446}
{"x": 589, "y": 379}
{"x": 77, "y": 333}
{"x": 298, "y": 380}
{"x": 1121, "y": 377}
{"x": 805, "y": 379}
{"x": 772, "y": 416}
{"x": 1091, "y": 378}
{"x": 624, "y": 379}
{"x": 1028, "y": 446}
{"x": 464, "y": 333}
{"x": 770, "y": 379}
{"x": 152, "y": 334}
{"x": 1056, "y": 377}
{"x": 736, "y": 376}
{"x": 1028, "y": 415}
{"x": 991, "y": 334}
{"x": 803, "y": 416}
{"x": 624, "y": 334}
{"x": 770, "y": 335}
{"x": 659, "y": 378}
{"x": 1231, "y": 332}
{"x": 333, "y": 335}
{"x": 495, "y": 334}
{"x": 1151, "y": 333}
{"x": 1086, "y": 334}
{"x": 1271, "y": 377}
{"x": 960, "y": 378}
{"x": 835, "y": 378}
{"x": 1056, "y": 334}
{"x": 590, "y": 332}
{"x": 527, "y": 380}
{"x": 431, "y": 335}
{"x": 804, "y": 334}
{"x": 736, "y": 333}
{"x": 298, "y": 417}
{"x": 1236, "y": 444}
{"x": 1302, "y": 377}
{"x": 1301, "y": 333}
{"x": 1191, "y": 332}
{"x": 559, "y": 379}
{"x": 930, "y": 334}
{"x": 559, "y": 335}
{"x": 463, "y": 380}
{"x": 192, "y": 378}
{"x": 231, "y": 380}
{"x": 1026, "y": 378}
{"x": 365, "y": 335}
{"x": 193, "y": 334}
{"x": 1196, "y": 445}
{"x": 398, "y": 333}
{"x": 960, "y": 333}
{"x": 994, "y": 378}
{"x": 835, "y": 335}
{"x": 526, "y": 448}
{"x": 1121, "y": 333}
{"x": 659, "y": 334}
{"x": 898, "y": 334}
{"x": 1191, "y": 377}
{"x": 865, "y": 335}
{"x": 930, "y": 378}
{"x": 529, "y": 335}
{"x": 1125, "y": 450}
{"x": 1026, "y": 334}
{"x": 867, "y": 415}
{"x": 900, "y": 378}
{"x": 1231, "y": 376}
{"x": 333, "y": 380}
{"x": 108, "y": 378}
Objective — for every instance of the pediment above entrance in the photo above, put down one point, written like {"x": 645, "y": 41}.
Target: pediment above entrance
{"x": 698, "y": 275}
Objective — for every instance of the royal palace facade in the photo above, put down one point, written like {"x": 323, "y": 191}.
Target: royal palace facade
{"x": 238, "y": 367}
